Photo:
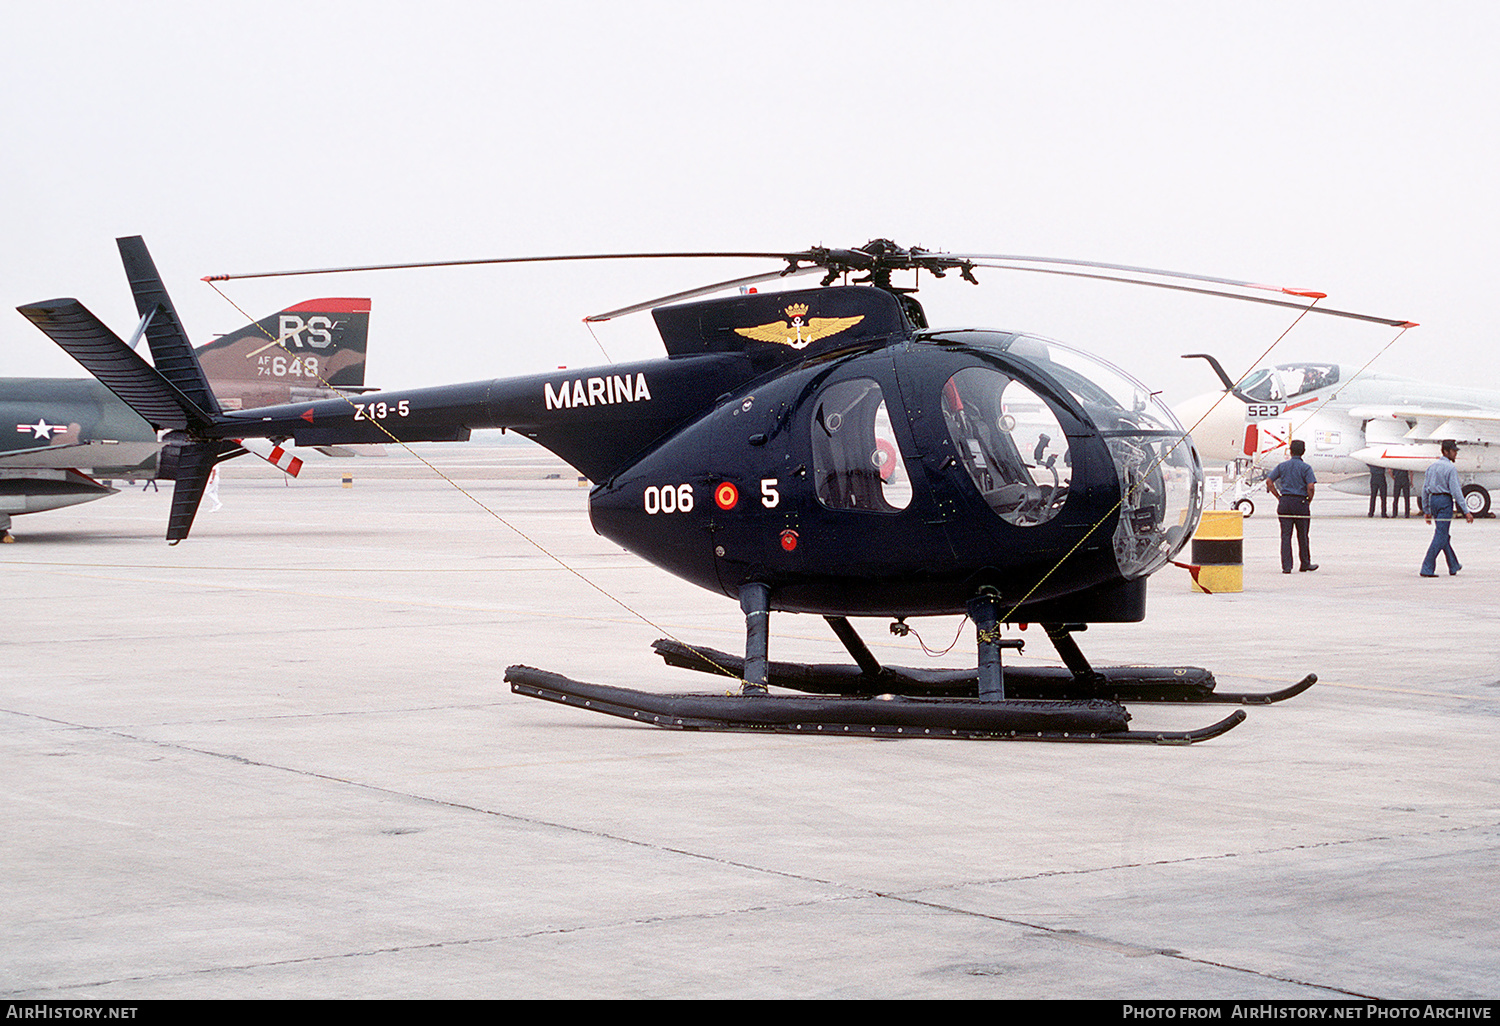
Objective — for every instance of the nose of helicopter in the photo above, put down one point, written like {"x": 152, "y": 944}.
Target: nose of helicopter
{"x": 1216, "y": 420}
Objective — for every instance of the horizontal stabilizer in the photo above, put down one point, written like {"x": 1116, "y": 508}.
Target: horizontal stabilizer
{"x": 34, "y": 490}
{"x": 119, "y": 367}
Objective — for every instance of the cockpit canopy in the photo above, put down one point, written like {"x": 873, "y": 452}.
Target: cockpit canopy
{"x": 1287, "y": 381}
{"x": 1012, "y": 444}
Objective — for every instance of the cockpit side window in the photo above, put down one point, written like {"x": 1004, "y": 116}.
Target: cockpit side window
{"x": 1261, "y": 386}
{"x": 1011, "y": 444}
{"x": 856, "y": 461}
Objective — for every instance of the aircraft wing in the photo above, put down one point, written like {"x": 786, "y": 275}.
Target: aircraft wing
{"x": 1466, "y": 425}
{"x": 114, "y": 455}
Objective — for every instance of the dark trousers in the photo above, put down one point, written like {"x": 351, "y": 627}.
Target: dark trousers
{"x": 1377, "y": 488}
{"x": 1402, "y": 487}
{"x": 1294, "y": 511}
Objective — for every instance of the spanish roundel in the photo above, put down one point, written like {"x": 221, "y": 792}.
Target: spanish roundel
{"x": 726, "y": 495}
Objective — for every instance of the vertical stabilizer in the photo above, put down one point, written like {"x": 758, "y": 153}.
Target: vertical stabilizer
{"x": 188, "y": 464}
{"x": 170, "y": 350}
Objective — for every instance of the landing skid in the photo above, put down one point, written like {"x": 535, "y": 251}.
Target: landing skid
{"x": 1121, "y": 683}
{"x": 1075, "y": 703}
{"x": 886, "y": 716}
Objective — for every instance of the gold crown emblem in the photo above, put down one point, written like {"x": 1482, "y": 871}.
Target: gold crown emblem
{"x": 797, "y": 310}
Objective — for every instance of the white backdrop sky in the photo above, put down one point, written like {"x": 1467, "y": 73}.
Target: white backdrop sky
{"x": 1349, "y": 147}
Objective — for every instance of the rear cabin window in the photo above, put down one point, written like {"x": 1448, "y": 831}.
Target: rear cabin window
{"x": 855, "y": 457}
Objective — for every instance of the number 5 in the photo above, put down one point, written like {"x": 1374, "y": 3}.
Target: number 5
{"x": 769, "y": 496}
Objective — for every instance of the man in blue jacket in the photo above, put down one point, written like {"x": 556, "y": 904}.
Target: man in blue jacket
{"x": 1441, "y": 495}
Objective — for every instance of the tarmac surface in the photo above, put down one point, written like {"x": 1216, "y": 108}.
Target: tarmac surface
{"x": 278, "y": 761}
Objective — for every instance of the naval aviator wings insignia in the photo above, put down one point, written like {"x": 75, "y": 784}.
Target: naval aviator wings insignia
{"x": 801, "y": 331}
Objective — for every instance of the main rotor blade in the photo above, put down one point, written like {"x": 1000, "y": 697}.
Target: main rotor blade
{"x": 884, "y": 256}
{"x": 1329, "y": 311}
{"x": 976, "y": 257}
{"x": 790, "y": 257}
{"x": 701, "y": 291}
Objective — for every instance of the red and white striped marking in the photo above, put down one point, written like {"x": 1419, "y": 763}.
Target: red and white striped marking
{"x": 274, "y": 455}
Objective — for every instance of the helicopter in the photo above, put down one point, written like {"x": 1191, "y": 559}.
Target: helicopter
{"x": 820, "y": 451}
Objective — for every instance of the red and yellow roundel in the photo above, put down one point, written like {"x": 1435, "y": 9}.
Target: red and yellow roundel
{"x": 726, "y": 495}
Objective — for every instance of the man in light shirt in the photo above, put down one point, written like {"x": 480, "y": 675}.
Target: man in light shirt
{"x": 1441, "y": 495}
{"x": 1293, "y": 483}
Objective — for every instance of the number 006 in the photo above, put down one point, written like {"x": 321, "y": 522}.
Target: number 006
{"x": 669, "y": 499}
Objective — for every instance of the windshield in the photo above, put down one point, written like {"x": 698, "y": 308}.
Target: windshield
{"x": 1261, "y": 386}
{"x": 1161, "y": 480}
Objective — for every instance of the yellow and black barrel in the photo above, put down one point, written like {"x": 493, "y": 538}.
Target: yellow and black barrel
{"x": 1219, "y": 552}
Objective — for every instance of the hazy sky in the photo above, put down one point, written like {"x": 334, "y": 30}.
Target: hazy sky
{"x": 1349, "y": 147}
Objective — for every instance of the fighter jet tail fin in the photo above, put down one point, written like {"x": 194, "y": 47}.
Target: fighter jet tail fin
{"x": 313, "y": 350}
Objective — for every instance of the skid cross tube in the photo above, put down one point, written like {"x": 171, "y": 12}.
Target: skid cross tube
{"x": 863, "y": 657}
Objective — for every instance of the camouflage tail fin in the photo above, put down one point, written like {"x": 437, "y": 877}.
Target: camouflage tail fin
{"x": 302, "y": 353}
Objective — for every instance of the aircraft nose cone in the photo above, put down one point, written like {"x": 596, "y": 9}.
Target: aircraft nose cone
{"x": 1191, "y": 411}
{"x": 1216, "y": 420}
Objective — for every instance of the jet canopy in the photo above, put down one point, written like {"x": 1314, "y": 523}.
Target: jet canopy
{"x": 1287, "y": 381}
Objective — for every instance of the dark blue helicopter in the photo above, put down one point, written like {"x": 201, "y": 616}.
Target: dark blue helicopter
{"x": 814, "y": 451}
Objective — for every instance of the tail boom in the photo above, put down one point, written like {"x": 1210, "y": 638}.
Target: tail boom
{"x": 596, "y": 421}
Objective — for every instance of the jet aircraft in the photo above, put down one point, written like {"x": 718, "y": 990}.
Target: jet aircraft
{"x": 63, "y": 439}
{"x": 1351, "y": 420}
